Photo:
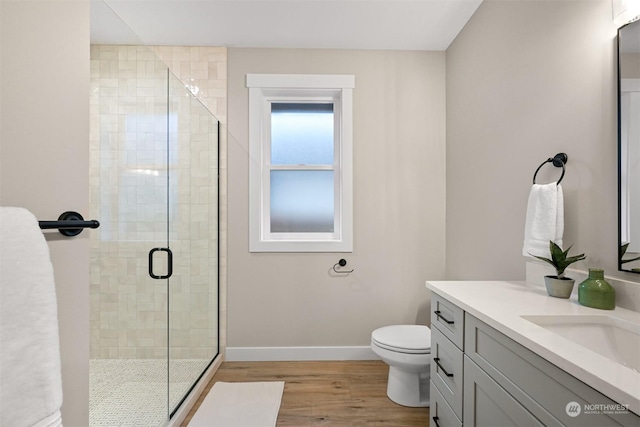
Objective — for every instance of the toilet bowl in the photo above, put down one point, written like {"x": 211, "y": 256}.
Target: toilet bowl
{"x": 407, "y": 351}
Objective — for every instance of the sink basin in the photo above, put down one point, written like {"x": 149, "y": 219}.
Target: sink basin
{"x": 608, "y": 336}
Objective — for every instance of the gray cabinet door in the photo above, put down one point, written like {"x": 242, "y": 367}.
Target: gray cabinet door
{"x": 486, "y": 404}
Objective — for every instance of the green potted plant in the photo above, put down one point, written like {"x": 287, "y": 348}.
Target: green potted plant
{"x": 559, "y": 286}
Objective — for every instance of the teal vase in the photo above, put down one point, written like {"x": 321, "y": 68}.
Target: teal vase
{"x": 596, "y": 292}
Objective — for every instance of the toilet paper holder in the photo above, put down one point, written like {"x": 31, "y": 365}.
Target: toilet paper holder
{"x": 342, "y": 262}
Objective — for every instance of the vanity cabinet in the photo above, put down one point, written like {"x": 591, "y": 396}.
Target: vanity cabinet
{"x": 484, "y": 378}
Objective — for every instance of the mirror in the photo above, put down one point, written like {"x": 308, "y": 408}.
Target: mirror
{"x": 629, "y": 147}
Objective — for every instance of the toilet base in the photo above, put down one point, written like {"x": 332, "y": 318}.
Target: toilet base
{"x": 408, "y": 388}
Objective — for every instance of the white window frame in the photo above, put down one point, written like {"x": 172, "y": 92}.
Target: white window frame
{"x": 264, "y": 89}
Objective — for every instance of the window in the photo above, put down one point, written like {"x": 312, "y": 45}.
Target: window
{"x": 300, "y": 146}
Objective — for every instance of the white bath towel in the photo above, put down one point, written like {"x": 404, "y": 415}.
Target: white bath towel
{"x": 545, "y": 219}
{"x": 30, "y": 377}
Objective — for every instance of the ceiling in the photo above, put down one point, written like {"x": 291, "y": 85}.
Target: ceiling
{"x": 321, "y": 24}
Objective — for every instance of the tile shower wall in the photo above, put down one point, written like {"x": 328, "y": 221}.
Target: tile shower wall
{"x": 128, "y": 195}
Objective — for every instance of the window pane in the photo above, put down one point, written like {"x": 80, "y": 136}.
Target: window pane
{"x": 301, "y": 134}
{"x": 302, "y": 201}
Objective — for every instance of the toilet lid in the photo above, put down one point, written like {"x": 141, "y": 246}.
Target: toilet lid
{"x": 404, "y": 338}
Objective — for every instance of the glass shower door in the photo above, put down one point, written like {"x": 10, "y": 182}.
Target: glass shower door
{"x": 193, "y": 239}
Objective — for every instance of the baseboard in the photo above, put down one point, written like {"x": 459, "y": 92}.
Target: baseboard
{"x": 274, "y": 354}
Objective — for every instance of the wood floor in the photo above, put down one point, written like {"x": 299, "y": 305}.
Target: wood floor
{"x": 349, "y": 393}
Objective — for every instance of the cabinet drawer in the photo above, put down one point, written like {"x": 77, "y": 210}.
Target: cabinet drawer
{"x": 440, "y": 413}
{"x": 542, "y": 387}
{"x": 446, "y": 370}
{"x": 449, "y": 319}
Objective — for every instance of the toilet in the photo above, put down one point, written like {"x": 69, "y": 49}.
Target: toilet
{"x": 407, "y": 351}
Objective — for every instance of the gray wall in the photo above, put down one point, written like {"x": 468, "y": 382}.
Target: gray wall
{"x": 277, "y": 299}
{"x": 630, "y": 66}
{"x": 44, "y": 158}
{"x": 526, "y": 80}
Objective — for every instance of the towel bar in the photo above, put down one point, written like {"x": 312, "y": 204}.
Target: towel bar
{"x": 69, "y": 224}
{"x": 558, "y": 161}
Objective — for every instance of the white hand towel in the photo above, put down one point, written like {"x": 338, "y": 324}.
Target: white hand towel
{"x": 30, "y": 376}
{"x": 545, "y": 219}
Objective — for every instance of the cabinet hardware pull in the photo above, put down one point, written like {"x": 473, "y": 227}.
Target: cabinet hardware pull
{"x": 437, "y": 313}
{"x": 437, "y": 360}
{"x": 435, "y": 420}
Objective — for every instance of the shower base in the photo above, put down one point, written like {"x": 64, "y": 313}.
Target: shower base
{"x": 133, "y": 392}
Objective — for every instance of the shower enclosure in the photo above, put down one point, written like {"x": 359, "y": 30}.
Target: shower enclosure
{"x": 155, "y": 259}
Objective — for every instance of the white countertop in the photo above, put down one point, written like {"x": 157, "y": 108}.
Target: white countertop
{"x": 500, "y": 304}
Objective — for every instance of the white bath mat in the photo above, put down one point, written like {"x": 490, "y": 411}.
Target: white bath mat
{"x": 248, "y": 404}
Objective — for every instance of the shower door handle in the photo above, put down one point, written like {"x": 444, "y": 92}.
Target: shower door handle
{"x": 169, "y": 262}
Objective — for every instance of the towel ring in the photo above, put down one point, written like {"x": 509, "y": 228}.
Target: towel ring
{"x": 558, "y": 161}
